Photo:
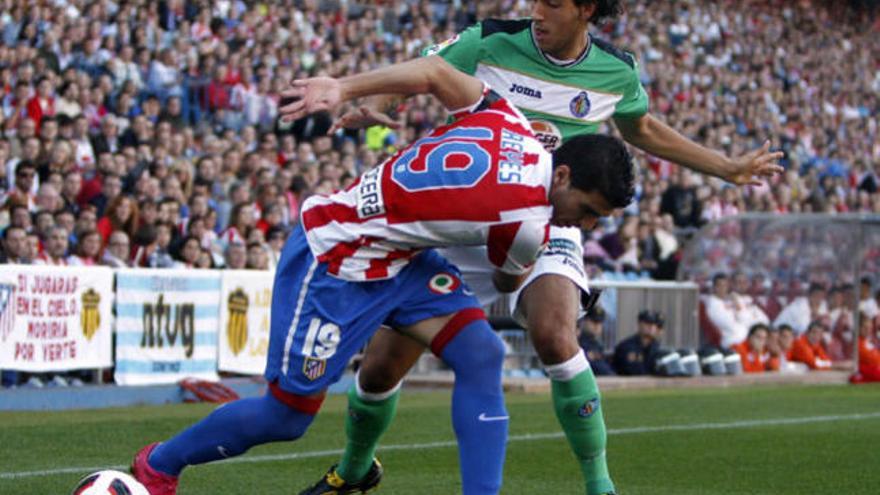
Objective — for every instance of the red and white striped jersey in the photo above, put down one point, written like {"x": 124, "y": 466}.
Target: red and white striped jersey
{"x": 482, "y": 180}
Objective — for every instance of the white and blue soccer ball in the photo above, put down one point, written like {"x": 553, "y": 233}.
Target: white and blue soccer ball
{"x": 109, "y": 483}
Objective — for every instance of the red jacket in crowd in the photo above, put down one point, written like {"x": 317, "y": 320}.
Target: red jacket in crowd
{"x": 813, "y": 355}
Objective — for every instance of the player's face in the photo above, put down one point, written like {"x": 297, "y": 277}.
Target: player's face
{"x": 560, "y": 26}
{"x": 573, "y": 207}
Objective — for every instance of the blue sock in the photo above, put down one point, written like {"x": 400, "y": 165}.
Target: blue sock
{"x": 230, "y": 430}
{"x": 478, "y": 413}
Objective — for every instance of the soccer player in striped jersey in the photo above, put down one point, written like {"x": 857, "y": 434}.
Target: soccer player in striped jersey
{"x": 363, "y": 256}
{"x": 566, "y": 82}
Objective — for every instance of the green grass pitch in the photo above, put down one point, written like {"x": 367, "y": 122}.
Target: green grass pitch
{"x": 746, "y": 441}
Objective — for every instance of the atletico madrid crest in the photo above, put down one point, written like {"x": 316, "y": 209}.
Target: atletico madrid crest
{"x": 314, "y": 368}
{"x": 7, "y": 311}
{"x": 443, "y": 283}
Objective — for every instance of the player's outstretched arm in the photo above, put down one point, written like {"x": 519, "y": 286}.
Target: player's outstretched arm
{"x": 660, "y": 140}
{"x": 427, "y": 75}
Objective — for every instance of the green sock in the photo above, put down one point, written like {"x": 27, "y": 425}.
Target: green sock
{"x": 577, "y": 404}
{"x": 364, "y": 425}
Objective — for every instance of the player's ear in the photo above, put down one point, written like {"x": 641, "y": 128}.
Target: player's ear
{"x": 586, "y": 10}
{"x": 561, "y": 176}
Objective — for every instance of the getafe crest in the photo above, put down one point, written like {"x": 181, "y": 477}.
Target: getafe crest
{"x": 589, "y": 408}
{"x": 580, "y": 105}
{"x": 237, "y": 328}
{"x": 443, "y": 283}
{"x": 90, "y": 317}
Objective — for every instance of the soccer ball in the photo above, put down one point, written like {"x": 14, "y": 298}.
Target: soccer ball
{"x": 109, "y": 483}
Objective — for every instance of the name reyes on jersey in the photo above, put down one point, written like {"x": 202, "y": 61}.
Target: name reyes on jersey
{"x": 369, "y": 194}
{"x": 511, "y": 157}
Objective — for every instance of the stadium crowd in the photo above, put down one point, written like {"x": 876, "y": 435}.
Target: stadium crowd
{"x": 146, "y": 134}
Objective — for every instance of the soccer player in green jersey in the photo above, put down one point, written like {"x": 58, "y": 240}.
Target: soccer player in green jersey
{"x": 567, "y": 83}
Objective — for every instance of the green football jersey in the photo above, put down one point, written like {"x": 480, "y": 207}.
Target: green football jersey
{"x": 560, "y": 100}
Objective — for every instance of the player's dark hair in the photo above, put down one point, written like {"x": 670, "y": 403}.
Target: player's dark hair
{"x": 599, "y": 163}
{"x": 605, "y": 9}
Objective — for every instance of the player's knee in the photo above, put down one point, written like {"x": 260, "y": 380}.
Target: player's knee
{"x": 476, "y": 348}
{"x": 378, "y": 376}
{"x": 554, "y": 338}
{"x": 489, "y": 354}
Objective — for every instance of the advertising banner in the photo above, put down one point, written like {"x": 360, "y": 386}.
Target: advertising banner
{"x": 244, "y": 321}
{"x": 166, "y": 325}
{"x": 55, "y": 320}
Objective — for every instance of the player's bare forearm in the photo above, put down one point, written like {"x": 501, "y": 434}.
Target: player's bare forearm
{"x": 660, "y": 140}
{"x": 657, "y": 138}
{"x": 426, "y": 75}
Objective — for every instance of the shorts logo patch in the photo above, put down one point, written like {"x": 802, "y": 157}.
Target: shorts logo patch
{"x": 443, "y": 283}
{"x": 434, "y": 50}
{"x": 547, "y": 134}
{"x": 589, "y": 408}
{"x": 314, "y": 368}
{"x": 580, "y": 105}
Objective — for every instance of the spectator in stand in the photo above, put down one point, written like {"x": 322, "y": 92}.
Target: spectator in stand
{"x": 257, "y": 257}
{"x": 205, "y": 259}
{"x": 15, "y": 248}
{"x": 56, "y": 243}
{"x": 122, "y": 214}
{"x": 236, "y": 256}
{"x": 19, "y": 216}
{"x": 869, "y": 354}
{"x": 867, "y": 304}
{"x": 43, "y": 103}
{"x": 108, "y": 139}
{"x": 188, "y": 254}
{"x": 118, "y": 251}
{"x": 590, "y": 340}
{"x": 808, "y": 348}
{"x": 637, "y": 354}
{"x": 111, "y": 188}
{"x": 160, "y": 257}
{"x": 754, "y": 353}
{"x": 22, "y": 191}
{"x": 839, "y": 339}
{"x": 747, "y": 310}
{"x": 722, "y": 312}
{"x": 681, "y": 201}
{"x": 275, "y": 238}
{"x": 241, "y": 220}
{"x": 804, "y": 309}
{"x": 88, "y": 250}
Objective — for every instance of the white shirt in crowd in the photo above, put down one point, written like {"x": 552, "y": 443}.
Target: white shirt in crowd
{"x": 798, "y": 316}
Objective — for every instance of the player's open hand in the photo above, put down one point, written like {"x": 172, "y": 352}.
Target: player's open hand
{"x": 755, "y": 167}
{"x": 363, "y": 117}
{"x": 308, "y": 96}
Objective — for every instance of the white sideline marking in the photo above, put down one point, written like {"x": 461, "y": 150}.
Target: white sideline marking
{"x": 513, "y": 438}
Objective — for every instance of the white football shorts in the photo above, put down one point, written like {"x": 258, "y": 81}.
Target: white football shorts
{"x": 564, "y": 255}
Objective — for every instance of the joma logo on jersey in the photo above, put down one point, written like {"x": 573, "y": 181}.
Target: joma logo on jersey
{"x": 525, "y": 91}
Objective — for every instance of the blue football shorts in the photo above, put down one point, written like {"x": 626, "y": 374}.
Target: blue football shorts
{"x": 320, "y": 321}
